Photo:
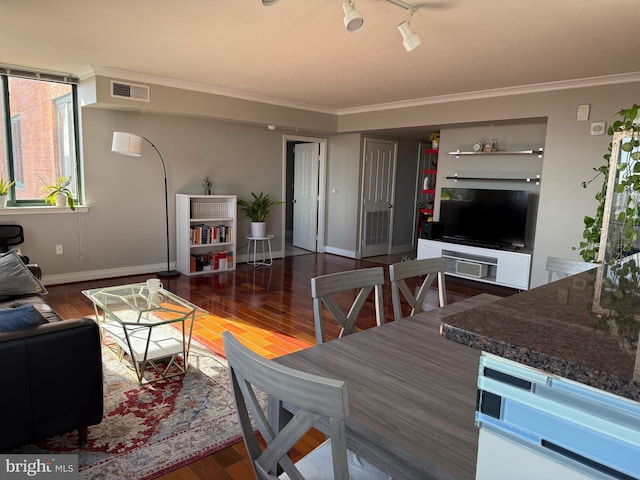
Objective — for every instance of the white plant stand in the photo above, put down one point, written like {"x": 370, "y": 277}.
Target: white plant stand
{"x": 252, "y": 256}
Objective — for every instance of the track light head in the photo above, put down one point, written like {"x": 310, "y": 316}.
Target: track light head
{"x": 353, "y": 20}
{"x": 410, "y": 40}
{"x": 268, "y": 3}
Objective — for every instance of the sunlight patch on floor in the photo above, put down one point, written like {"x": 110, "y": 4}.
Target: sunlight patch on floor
{"x": 268, "y": 343}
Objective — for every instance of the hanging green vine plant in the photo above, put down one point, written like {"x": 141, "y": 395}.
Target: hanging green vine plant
{"x": 627, "y": 216}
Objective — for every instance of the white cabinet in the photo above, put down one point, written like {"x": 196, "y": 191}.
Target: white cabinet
{"x": 206, "y": 233}
{"x": 536, "y": 425}
{"x": 510, "y": 269}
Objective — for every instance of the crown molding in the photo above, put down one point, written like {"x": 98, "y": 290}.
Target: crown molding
{"x": 418, "y": 102}
{"x": 86, "y": 72}
{"x": 198, "y": 87}
{"x": 500, "y": 92}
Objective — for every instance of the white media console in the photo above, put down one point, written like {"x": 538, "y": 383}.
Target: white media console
{"x": 500, "y": 267}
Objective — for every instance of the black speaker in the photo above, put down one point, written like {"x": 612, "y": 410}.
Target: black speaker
{"x": 432, "y": 230}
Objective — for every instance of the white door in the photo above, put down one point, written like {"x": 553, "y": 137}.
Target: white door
{"x": 378, "y": 186}
{"x": 305, "y": 195}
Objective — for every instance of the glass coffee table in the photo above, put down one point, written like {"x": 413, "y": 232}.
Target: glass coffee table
{"x": 149, "y": 333}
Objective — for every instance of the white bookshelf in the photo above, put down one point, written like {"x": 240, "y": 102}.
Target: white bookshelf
{"x": 206, "y": 231}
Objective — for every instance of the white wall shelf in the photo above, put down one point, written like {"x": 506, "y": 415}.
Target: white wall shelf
{"x": 539, "y": 152}
{"x": 536, "y": 179}
{"x": 206, "y": 227}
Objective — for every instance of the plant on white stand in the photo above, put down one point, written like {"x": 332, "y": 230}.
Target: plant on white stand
{"x": 258, "y": 210}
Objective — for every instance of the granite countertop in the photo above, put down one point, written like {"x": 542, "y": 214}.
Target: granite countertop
{"x": 555, "y": 328}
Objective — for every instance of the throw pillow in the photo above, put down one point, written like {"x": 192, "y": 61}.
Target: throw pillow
{"x": 15, "y": 277}
{"x": 19, "y": 318}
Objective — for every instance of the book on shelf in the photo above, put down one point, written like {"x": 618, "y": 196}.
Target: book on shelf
{"x": 202, "y": 234}
{"x": 211, "y": 261}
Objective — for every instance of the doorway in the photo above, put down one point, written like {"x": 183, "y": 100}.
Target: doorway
{"x": 303, "y": 190}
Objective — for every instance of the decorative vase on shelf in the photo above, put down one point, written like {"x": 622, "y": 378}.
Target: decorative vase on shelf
{"x": 258, "y": 229}
{"x": 3, "y": 201}
{"x": 434, "y": 144}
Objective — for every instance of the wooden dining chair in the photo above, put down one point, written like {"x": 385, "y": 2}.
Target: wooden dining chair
{"x": 325, "y": 287}
{"x": 558, "y": 268}
{"x": 312, "y": 397}
{"x": 429, "y": 268}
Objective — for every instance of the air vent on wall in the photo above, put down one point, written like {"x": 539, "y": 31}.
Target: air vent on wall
{"x": 130, "y": 91}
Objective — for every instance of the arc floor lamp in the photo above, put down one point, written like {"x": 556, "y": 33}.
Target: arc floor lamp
{"x": 131, "y": 145}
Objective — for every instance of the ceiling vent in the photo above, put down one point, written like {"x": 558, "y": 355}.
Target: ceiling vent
{"x": 130, "y": 91}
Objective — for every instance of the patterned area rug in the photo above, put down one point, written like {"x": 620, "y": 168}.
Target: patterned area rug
{"x": 149, "y": 430}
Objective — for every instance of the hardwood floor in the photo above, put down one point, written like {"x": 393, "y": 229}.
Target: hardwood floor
{"x": 270, "y": 308}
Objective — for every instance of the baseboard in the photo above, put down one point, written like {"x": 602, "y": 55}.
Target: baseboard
{"x": 105, "y": 273}
{"x": 72, "y": 277}
{"x": 341, "y": 252}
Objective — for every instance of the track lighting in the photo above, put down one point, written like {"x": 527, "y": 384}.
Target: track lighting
{"x": 410, "y": 40}
{"x": 353, "y": 20}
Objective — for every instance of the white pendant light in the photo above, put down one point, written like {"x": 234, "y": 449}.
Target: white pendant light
{"x": 353, "y": 20}
{"x": 410, "y": 40}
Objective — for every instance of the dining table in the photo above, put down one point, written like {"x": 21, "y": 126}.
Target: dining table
{"x": 412, "y": 393}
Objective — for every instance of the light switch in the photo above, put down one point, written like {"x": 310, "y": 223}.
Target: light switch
{"x": 582, "y": 114}
{"x": 334, "y": 190}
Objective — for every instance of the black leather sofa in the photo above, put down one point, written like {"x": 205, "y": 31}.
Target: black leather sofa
{"x": 51, "y": 377}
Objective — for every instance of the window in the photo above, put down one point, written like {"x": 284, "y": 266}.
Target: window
{"x": 39, "y": 143}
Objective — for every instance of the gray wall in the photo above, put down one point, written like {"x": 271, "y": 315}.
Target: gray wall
{"x": 571, "y": 152}
{"x": 123, "y": 230}
{"x": 528, "y": 136}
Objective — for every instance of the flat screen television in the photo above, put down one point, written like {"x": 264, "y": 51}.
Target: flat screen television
{"x": 489, "y": 218}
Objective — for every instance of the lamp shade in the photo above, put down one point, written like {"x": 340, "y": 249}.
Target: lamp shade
{"x": 268, "y": 3}
{"x": 409, "y": 39}
{"x": 127, "y": 144}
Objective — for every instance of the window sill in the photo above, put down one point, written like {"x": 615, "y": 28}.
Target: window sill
{"x": 41, "y": 210}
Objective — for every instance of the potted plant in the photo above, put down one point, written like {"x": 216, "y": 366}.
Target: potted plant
{"x": 206, "y": 185}
{"x": 5, "y": 186}
{"x": 59, "y": 193}
{"x": 258, "y": 210}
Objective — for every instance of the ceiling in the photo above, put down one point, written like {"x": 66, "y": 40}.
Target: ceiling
{"x": 299, "y": 53}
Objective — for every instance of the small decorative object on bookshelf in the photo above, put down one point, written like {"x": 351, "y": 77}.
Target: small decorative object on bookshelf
{"x": 206, "y": 185}
{"x": 491, "y": 146}
{"x": 206, "y": 228}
